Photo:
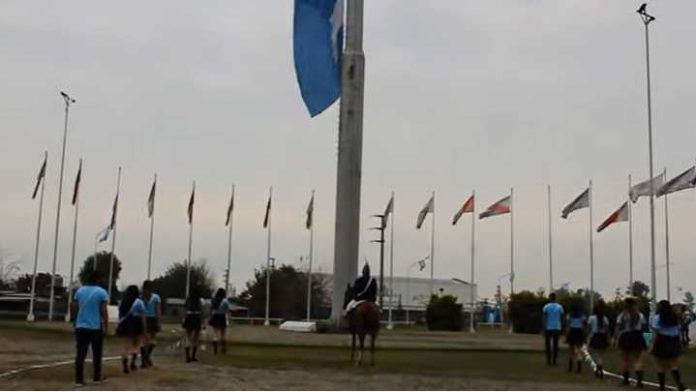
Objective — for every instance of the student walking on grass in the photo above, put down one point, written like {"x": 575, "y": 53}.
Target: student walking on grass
{"x": 218, "y": 320}
{"x": 629, "y": 332}
{"x": 552, "y": 316}
{"x": 193, "y": 323}
{"x": 666, "y": 344}
{"x": 575, "y": 337}
{"x": 599, "y": 336}
{"x": 91, "y": 323}
{"x": 131, "y": 326}
{"x": 153, "y": 314}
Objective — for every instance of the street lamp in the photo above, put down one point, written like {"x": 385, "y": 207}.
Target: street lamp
{"x": 269, "y": 266}
{"x": 647, "y": 18}
{"x": 380, "y": 241}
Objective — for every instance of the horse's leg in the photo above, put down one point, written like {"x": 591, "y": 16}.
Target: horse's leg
{"x": 352, "y": 349}
{"x": 373, "y": 336}
{"x": 361, "y": 337}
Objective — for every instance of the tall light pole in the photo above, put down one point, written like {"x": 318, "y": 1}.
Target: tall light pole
{"x": 68, "y": 101}
{"x": 380, "y": 241}
{"x": 647, "y": 18}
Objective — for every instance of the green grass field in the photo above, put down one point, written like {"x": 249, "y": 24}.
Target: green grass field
{"x": 265, "y": 358}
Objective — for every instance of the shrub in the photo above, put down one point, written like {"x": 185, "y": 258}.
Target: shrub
{"x": 525, "y": 311}
{"x": 444, "y": 313}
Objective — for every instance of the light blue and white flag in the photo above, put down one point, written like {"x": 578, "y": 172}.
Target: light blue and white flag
{"x": 104, "y": 234}
{"x": 318, "y": 45}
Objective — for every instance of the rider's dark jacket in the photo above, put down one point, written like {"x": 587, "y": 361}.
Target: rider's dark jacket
{"x": 369, "y": 294}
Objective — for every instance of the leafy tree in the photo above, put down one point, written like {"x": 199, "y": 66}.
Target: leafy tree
{"x": 639, "y": 289}
{"x": 443, "y": 313}
{"x": 103, "y": 266}
{"x": 288, "y": 288}
{"x": 525, "y": 310}
{"x": 172, "y": 284}
{"x": 689, "y": 301}
{"x": 43, "y": 283}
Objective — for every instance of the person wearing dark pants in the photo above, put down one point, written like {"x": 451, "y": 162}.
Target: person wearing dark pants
{"x": 666, "y": 345}
{"x": 552, "y": 316}
{"x": 90, "y": 326}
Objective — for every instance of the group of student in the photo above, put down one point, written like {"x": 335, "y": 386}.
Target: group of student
{"x": 140, "y": 314}
{"x": 628, "y": 335}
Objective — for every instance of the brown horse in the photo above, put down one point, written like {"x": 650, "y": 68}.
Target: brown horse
{"x": 362, "y": 321}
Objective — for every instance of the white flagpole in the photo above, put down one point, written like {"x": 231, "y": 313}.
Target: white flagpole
{"x": 472, "y": 298}
{"x": 432, "y": 248}
{"x": 267, "y": 320}
{"x": 94, "y": 261}
{"x": 152, "y": 230}
{"x": 72, "y": 256}
{"x": 113, "y": 238}
{"x": 391, "y": 265}
{"x": 512, "y": 244}
{"x": 669, "y": 287}
{"x": 630, "y": 239}
{"x": 591, "y": 251}
{"x": 550, "y": 227}
{"x": 309, "y": 270}
{"x": 190, "y": 241}
{"x": 30, "y": 316}
{"x": 229, "y": 247}
{"x": 52, "y": 295}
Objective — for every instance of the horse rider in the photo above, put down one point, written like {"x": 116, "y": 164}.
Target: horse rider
{"x": 364, "y": 289}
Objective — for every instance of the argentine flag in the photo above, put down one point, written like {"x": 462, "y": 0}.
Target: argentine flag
{"x": 318, "y": 45}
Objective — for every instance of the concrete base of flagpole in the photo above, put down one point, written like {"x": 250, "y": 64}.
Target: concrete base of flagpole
{"x": 30, "y": 317}
{"x": 266, "y": 323}
{"x": 390, "y": 326}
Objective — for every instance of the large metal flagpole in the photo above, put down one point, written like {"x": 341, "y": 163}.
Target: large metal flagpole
{"x": 432, "y": 247}
{"x": 72, "y": 255}
{"x": 646, "y": 18}
{"x": 512, "y": 244}
{"x": 113, "y": 238}
{"x": 391, "y": 265}
{"x": 152, "y": 230}
{"x": 667, "y": 271}
{"x": 472, "y": 296}
{"x": 309, "y": 269}
{"x": 349, "y": 169}
{"x": 190, "y": 241}
{"x": 591, "y": 250}
{"x": 630, "y": 239}
{"x": 229, "y": 247}
{"x": 68, "y": 101}
{"x": 550, "y": 227}
{"x": 30, "y": 316}
{"x": 267, "y": 320}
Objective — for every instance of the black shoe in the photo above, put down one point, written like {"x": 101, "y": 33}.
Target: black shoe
{"x": 579, "y": 367}
{"x": 124, "y": 362}
{"x": 639, "y": 379}
{"x": 188, "y": 355}
{"x": 570, "y": 365}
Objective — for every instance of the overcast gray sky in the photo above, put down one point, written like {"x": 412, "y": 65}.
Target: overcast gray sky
{"x": 460, "y": 95}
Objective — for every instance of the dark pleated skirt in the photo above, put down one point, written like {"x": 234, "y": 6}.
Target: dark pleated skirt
{"x": 576, "y": 336}
{"x": 632, "y": 341}
{"x": 192, "y": 322}
{"x": 667, "y": 347}
{"x": 152, "y": 325}
{"x": 218, "y": 321}
{"x": 599, "y": 341}
{"x": 130, "y": 327}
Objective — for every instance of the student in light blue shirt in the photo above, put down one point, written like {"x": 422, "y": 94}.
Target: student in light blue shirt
{"x": 91, "y": 324}
{"x": 552, "y": 316}
{"x": 218, "y": 320}
{"x": 577, "y": 321}
{"x": 131, "y": 326}
{"x": 666, "y": 348}
{"x": 153, "y": 314}
{"x": 599, "y": 336}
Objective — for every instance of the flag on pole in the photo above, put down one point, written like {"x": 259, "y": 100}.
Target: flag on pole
{"x": 103, "y": 235}
{"x": 317, "y": 47}
{"x": 686, "y": 180}
{"x": 643, "y": 188}
{"x": 428, "y": 208}
{"x": 230, "y": 208}
{"x": 389, "y": 209}
{"x": 39, "y": 178}
{"x": 620, "y": 215}
{"x": 190, "y": 204}
{"x": 78, "y": 178}
{"x": 582, "y": 201}
{"x": 310, "y": 213}
{"x": 421, "y": 264}
{"x": 114, "y": 210}
{"x": 467, "y": 207}
{"x": 151, "y": 199}
{"x": 500, "y": 207}
{"x": 268, "y": 212}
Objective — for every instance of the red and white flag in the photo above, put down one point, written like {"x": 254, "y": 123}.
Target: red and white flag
{"x": 582, "y": 201}
{"x": 500, "y": 207}
{"x": 467, "y": 207}
{"x": 620, "y": 215}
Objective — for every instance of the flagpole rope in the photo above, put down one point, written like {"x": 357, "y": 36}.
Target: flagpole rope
{"x": 593, "y": 365}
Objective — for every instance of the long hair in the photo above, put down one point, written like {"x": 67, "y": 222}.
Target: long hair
{"x": 575, "y": 309}
{"x": 668, "y": 318}
{"x": 598, "y": 311}
{"x": 631, "y": 309}
{"x": 193, "y": 302}
{"x": 129, "y": 296}
{"x": 147, "y": 290}
{"x": 220, "y": 294}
